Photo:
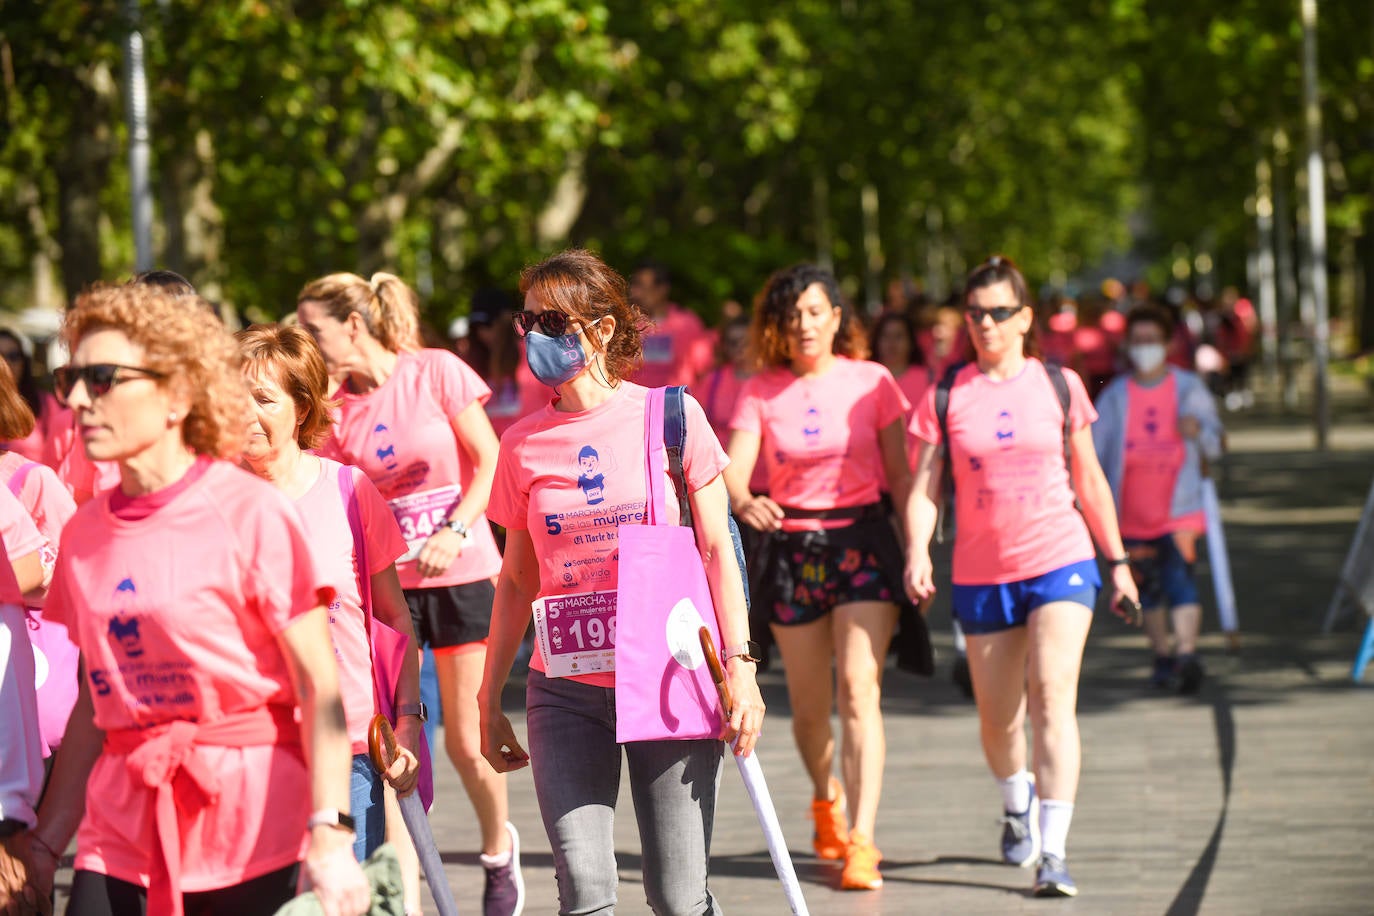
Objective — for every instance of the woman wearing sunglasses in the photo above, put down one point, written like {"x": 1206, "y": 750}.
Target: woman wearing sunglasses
{"x": 413, "y": 420}
{"x": 201, "y": 621}
{"x": 568, "y": 476}
{"x": 830, "y": 427}
{"x": 1025, "y": 571}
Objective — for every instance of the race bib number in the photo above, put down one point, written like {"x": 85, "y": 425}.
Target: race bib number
{"x": 657, "y": 349}
{"x": 422, "y": 514}
{"x": 576, "y": 633}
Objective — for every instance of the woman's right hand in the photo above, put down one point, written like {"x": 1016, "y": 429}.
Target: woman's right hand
{"x": 500, "y": 746}
{"x": 761, "y": 514}
{"x": 920, "y": 576}
{"x": 334, "y": 875}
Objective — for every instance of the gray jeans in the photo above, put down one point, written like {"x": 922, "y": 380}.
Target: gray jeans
{"x": 576, "y": 766}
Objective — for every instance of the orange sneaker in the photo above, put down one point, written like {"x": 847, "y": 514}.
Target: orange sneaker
{"x": 861, "y": 865}
{"x": 831, "y": 828}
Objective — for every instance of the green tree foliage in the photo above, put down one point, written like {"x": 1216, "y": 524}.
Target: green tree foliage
{"x": 454, "y": 143}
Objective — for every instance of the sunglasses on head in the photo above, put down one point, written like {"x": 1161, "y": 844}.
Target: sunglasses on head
{"x": 99, "y": 378}
{"x": 550, "y": 322}
{"x": 999, "y": 313}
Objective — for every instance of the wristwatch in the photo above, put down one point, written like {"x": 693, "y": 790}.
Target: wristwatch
{"x": 748, "y": 650}
{"x": 457, "y": 526}
{"x": 1119, "y": 561}
{"x": 413, "y": 709}
{"x": 331, "y": 817}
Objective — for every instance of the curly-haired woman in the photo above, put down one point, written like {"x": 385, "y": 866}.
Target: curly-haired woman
{"x": 201, "y": 621}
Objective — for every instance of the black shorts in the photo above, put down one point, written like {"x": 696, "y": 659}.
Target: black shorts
{"x": 100, "y": 895}
{"x": 451, "y": 615}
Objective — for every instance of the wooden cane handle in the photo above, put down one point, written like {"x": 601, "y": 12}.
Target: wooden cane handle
{"x": 381, "y": 743}
{"x": 708, "y": 648}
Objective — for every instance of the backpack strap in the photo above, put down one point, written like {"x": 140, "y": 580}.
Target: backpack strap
{"x": 942, "y": 391}
{"x": 21, "y": 474}
{"x": 1061, "y": 391}
{"x": 674, "y": 440}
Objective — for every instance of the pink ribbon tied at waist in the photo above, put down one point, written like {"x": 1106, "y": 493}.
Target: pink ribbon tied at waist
{"x": 157, "y": 756}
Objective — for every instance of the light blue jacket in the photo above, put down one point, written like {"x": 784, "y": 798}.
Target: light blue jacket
{"x": 1194, "y": 400}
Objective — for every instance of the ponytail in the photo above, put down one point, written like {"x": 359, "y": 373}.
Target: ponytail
{"x": 394, "y": 313}
{"x": 390, "y": 309}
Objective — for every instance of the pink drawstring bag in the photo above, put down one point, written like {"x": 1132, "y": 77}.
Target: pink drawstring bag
{"x": 387, "y": 644}
{"x": 663, "y": 687}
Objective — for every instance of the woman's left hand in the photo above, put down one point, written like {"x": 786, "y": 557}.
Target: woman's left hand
{"x": 1123, "y": 585}
{"x": 404, "y": 773}
{"x": 443, "y": 547}
{"x": 746, "y": 718}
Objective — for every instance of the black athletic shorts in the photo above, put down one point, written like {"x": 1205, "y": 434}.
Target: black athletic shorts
{"x": 451, "y": 615}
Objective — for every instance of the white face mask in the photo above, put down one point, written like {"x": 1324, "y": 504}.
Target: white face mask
{"x": 1147, "y": 357}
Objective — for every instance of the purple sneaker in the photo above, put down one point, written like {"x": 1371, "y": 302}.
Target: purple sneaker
{"x": 504, "y": 894}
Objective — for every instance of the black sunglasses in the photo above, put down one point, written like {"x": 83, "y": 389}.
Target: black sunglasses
{"x": 99, "y": 378}
{"x": 550, "y": 322}
{"x": 999, "y": 313}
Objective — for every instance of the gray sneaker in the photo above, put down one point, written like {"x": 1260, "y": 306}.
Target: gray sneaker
{"x": 504, "y": 894}
{"x": 1052, "y": 878}
{"x": 1021, "y": 833}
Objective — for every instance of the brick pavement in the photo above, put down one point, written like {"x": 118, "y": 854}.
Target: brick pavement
{"x": 1254, "y": 797}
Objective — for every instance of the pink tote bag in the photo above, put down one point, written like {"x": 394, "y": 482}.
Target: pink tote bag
{"x": 663, "y": 687}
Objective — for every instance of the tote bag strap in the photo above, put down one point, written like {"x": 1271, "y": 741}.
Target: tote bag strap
{"x": 349, "y": 491}
{"x": 21, "y": 474}
{"x": 656, "y": 510}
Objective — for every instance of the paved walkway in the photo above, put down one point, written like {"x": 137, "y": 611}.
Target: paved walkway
{"x": 1257, "y": 796}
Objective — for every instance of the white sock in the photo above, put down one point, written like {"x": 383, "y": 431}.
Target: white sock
{"x": 497, "y": 861}
{"x": 1054, "y": 826}
{"x": 1015, "y": 792}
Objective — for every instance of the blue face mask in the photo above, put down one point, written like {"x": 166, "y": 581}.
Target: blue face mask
{"x": 554, "y": 360}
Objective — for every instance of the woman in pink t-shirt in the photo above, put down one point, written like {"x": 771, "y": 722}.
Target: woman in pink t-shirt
{"x": 568, "y": 477}
{"x": 49, "y": 506}
{"x": 1025, "y": 573}
{"x": 1158, "y": 426}
{"x": 830, "y": 427}
{"x": 413, "y": 421}
{"x": 192, "y": 596}
{"x": 287, "y": 380}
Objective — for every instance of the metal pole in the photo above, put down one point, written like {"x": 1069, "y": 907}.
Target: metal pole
{"x": 1316, "y": 206}
{"x": 136, "y": 114}
{"x": 1264, "y": 263}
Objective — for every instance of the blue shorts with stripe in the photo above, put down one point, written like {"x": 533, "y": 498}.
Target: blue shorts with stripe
{"x": 993, "y": 608}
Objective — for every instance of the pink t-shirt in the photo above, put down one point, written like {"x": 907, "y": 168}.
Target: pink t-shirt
{"x": 401, "y": 435}
{"x": 325, "y": 517}
{"x": 819, "y": 436}
{"x": 1154, "y": 454}
{"x": 572, "y": 479}
{"x": 177, "y": 617}
{"x": 1012, "y": 497}
{"x": 43, "y": 495}
{"x": 913, "y": 384}
{"x": 677, "y": 350}
{"x": 515, "y": 397}
{"x": 21, "y": 537}
{"x": 719, "y": 391}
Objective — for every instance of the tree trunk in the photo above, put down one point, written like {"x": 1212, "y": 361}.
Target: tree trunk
{"x": 82, "y": 166}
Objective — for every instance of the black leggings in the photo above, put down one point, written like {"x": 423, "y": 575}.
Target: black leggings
{"x": 100, "y": 895}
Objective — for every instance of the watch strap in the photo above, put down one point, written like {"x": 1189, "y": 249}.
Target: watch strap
{"x": 748, "y": 650}
{"x": 331, "y": 817}
{"x": 419, "y": 710}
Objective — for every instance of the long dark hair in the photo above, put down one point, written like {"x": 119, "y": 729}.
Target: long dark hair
{"x": 24, "y": 380}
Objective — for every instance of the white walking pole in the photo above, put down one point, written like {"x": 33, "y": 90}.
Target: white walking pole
{"x": 1220, "y": 563}
{"x": 381, "y": 745}
{"x": 752, "y": 772}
